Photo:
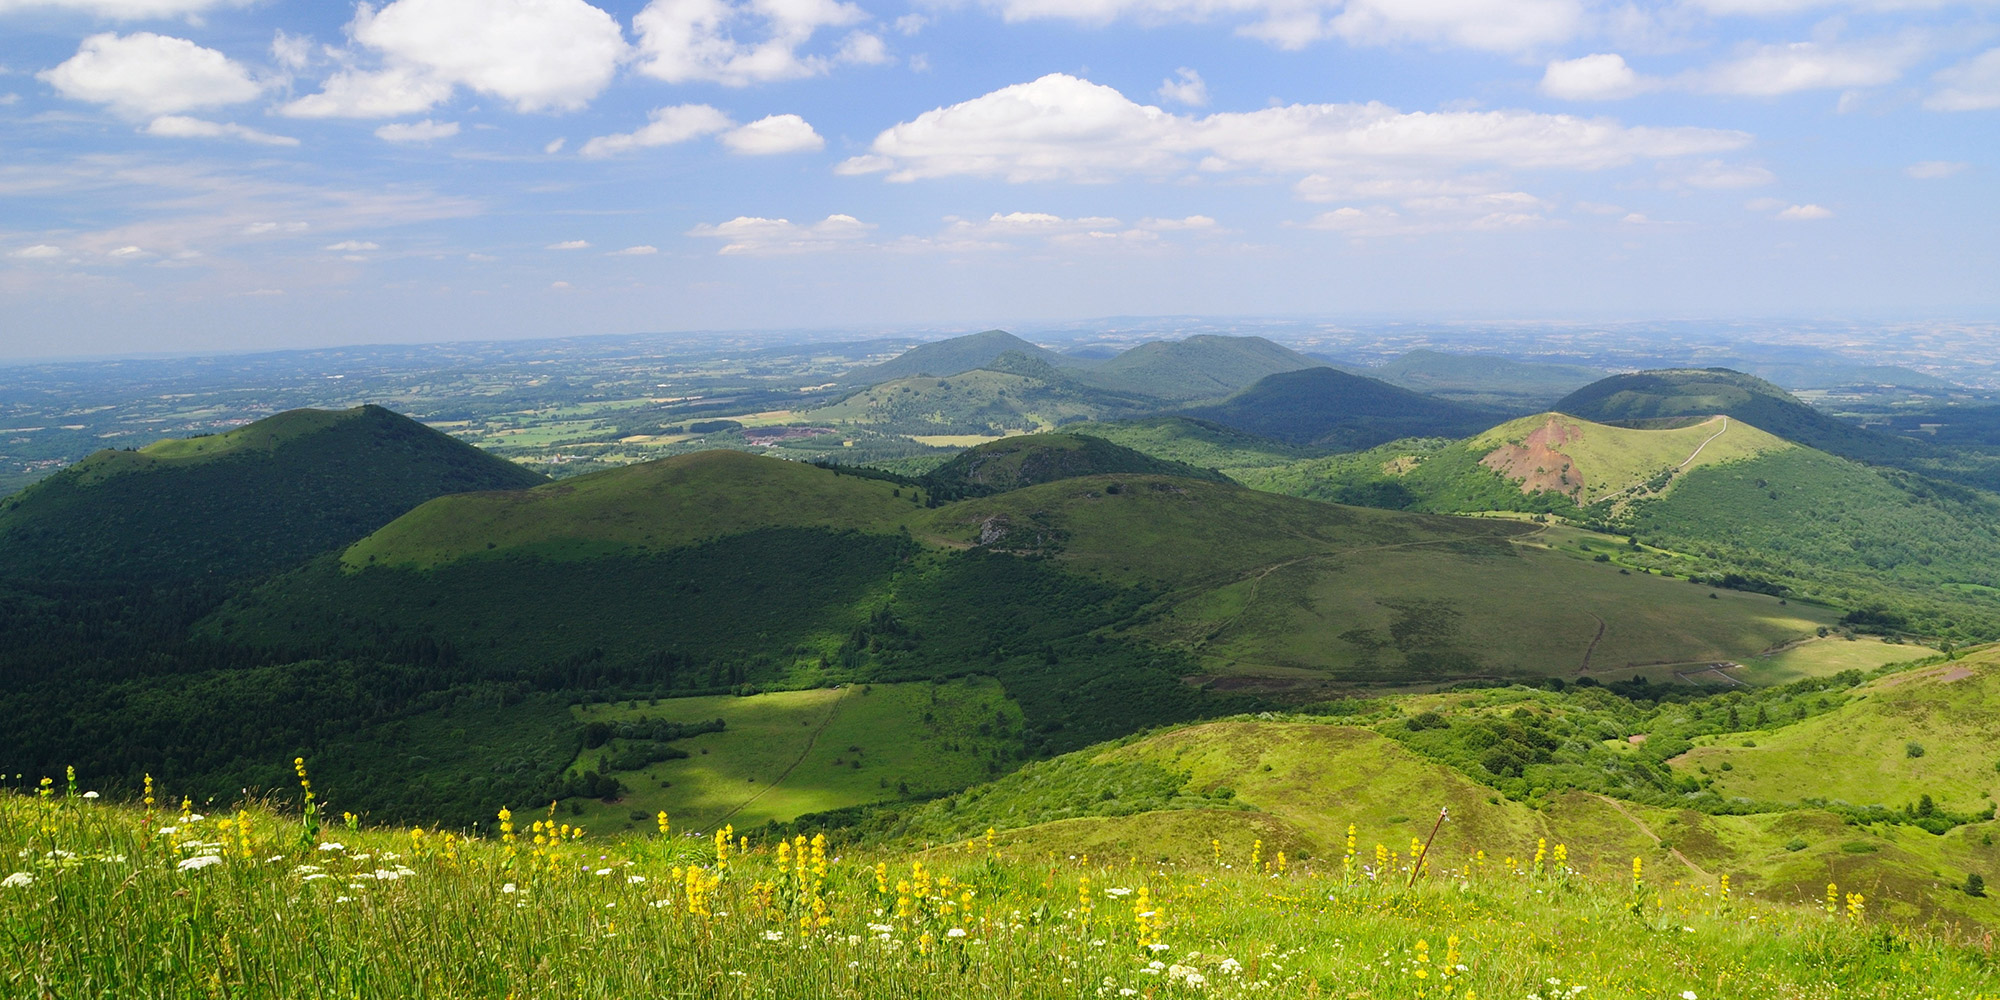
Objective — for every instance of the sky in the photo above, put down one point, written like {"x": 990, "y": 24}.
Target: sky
{"x": 196, "y": 175}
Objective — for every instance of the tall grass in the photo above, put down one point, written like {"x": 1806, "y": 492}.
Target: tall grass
{"x": 106, "y": 900}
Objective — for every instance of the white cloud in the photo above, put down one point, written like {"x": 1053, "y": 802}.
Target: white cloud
{"x": 863, "y": 48}
{"x": 670, "y": 125}
{"x": 569, "y": 245}
{"x": 1015, "y": 225}
{"x": 423, "y": 131}
{"x": 374, "y": 94}
{"x": 560, "y": 285}
{"x": 554, "y": 146}
{"x": 1973, "y": 85}
{"x": 1185, "y": 87}
{"x": 1350, "y": 186}
{"x": 1489, "y": 25}
{"x": 40, "y": 251}
{"x": 1193, "y": 223}
{"x": 1488, "y": 214}
{"x": 354, "y": 246}
{"x": 773, "y": 135}
{"x": 1934, "y": 170}
{"x": 1603, "y": 76}
{"x": 1774, "y": 70}
{"x": 1805, "y": 213}
{"x": 126, "y": 10}
{"x": 143, "y": 74}
{"x": 538, "y": 55}
{"x": 639, "y": 251}
{"x": 682, "y": 41}
{"x": 1715, "y": 175}
{"x": 293, "y": 52}
{"x": 9, "y": 98}
{"x": 266, "y": 228}
{"x": 758, "y": 236}
{"x": 910, "y": 24}
{"x": 183, "y": 127}
{"x": 126, "y": 253}
{"x": 1063, "y": 128}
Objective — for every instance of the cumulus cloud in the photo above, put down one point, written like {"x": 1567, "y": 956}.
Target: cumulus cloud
{"x": 1603, "y": 76}
{"x": 774, "y": 135}
{"x": 40, "y": 251}
{"x": 670, "y": 125}
{"x": 1192, "y": 223}
{"x": 642, "y": 250}
{"x": 1804, "y": 213}
{"x": 569, "y": 245}
{"x": 1775, "y": 70}
{"x": 183, "y": 127}
{"x": 538, "y": 55}
{"x": 1062, "y": 128}
{"x": 1934, "y": 170}
{"x": 1185, "y": 87}
{"x": 144, "y": 74}
{"x": 423, "y": 131}
{"x": 758, "y": 236}
{"x": 124, "y": 10}
{"x": 1490, "y": 25}
{"x": 1487, "y": 213}
{"x": 354, "y": 246}
{"x": 683, "y": 41}
{"x": 1970, "y": 86}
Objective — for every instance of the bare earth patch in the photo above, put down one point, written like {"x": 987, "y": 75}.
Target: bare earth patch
{"x": 1538, "y": 461}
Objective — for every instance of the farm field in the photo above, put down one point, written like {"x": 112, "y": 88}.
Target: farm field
{"x": 788, "y": 753}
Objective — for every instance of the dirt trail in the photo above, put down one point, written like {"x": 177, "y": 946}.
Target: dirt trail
{"x": 1648, "y": 831}
{"x": 804, "y": 752}
{"x": 1696, "y": 453}
{"x": 1592, "y": 648}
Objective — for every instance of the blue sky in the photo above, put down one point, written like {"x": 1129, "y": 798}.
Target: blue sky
{"x": 186, "y": 175}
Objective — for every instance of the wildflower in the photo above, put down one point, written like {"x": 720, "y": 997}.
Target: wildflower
{"x": 1725, "y": 888}
{"x": 199, "y": 862}
{"x": 956, "y": 932}
{"x": 774, "y": 935}
{"x": 635, "y": 879}
{"x": 90, "y": 795}
{"x": 1832, "y": 898}
{"x": 1638, "y": 870}
{"x": 18, "y": 880}
{"x": 664, "y": 826}
{"x": 1688, "y": 995}
{"x": 509, "y": 889}
{"x": 333, "y": 846}
{"x": 1855, "y": 905}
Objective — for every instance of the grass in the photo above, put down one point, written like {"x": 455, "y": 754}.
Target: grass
{"x": 789, "y": 753}
{"x": 1609, "y": 460}
{"x": 657, "y": 505}
{"x": 1860, "y": 752}
{"x": 104, "y": 900}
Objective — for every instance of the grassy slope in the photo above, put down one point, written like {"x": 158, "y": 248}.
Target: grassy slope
{"x": 251, "y": 501}
{"x": 1706, "y": 392}
{"x": 535, "y": 922}
{"x": 1032, "y": 459}
{"x": 653, "y": 506}
{"x": 1293, "y": 588}
{"x": 1200, "y": 444}
{"x": 950, "y": 357}
{"x": 793, "y": 752}
{"x": 1200, "y": 367}
{"x": 971, "y": 402}
{"x": 1610, "y": 460}
{"x": 1482, "y": 379}
{"x": 1324, "y": 407}
{"x": 1858, "y": 753}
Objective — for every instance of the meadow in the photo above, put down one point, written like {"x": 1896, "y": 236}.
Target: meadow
{"x": 157, "y": 899}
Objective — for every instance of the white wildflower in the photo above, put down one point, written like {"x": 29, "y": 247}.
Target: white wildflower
{"x": 18, "y": 880}
{"x": 197, "y": 862}
{"x": 332, "y": 846}
{"x": 1231, "y": 966}
{"x": 90, "y": 795}
{"x": 509, "y": 888}
{"x": 956, "y": 932}
{"x": 774, "y": 935}
{"x": 635, "y": 879}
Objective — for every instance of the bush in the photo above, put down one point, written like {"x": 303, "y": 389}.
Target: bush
{"x": 1913, "y": 749}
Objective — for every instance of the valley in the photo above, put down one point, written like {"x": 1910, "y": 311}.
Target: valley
{"x": 1200, "y": 592}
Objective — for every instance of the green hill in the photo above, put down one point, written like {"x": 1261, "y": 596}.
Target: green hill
{"x": 1017, "y": 393}
{"x": 1330, "y": 409}
{"x": 1707, "y": 392}
{"x": 1715, "y": 499}
{"x": 1484, "y": 380}
{"x": 1194, "y": 442}
{"x": 248, "y": 502}
{"x": 945, "y": 358}
{"x": 1892, "y": 743}
{"x": 1205, "y": 366}
{"x": 1029, "y": 459}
